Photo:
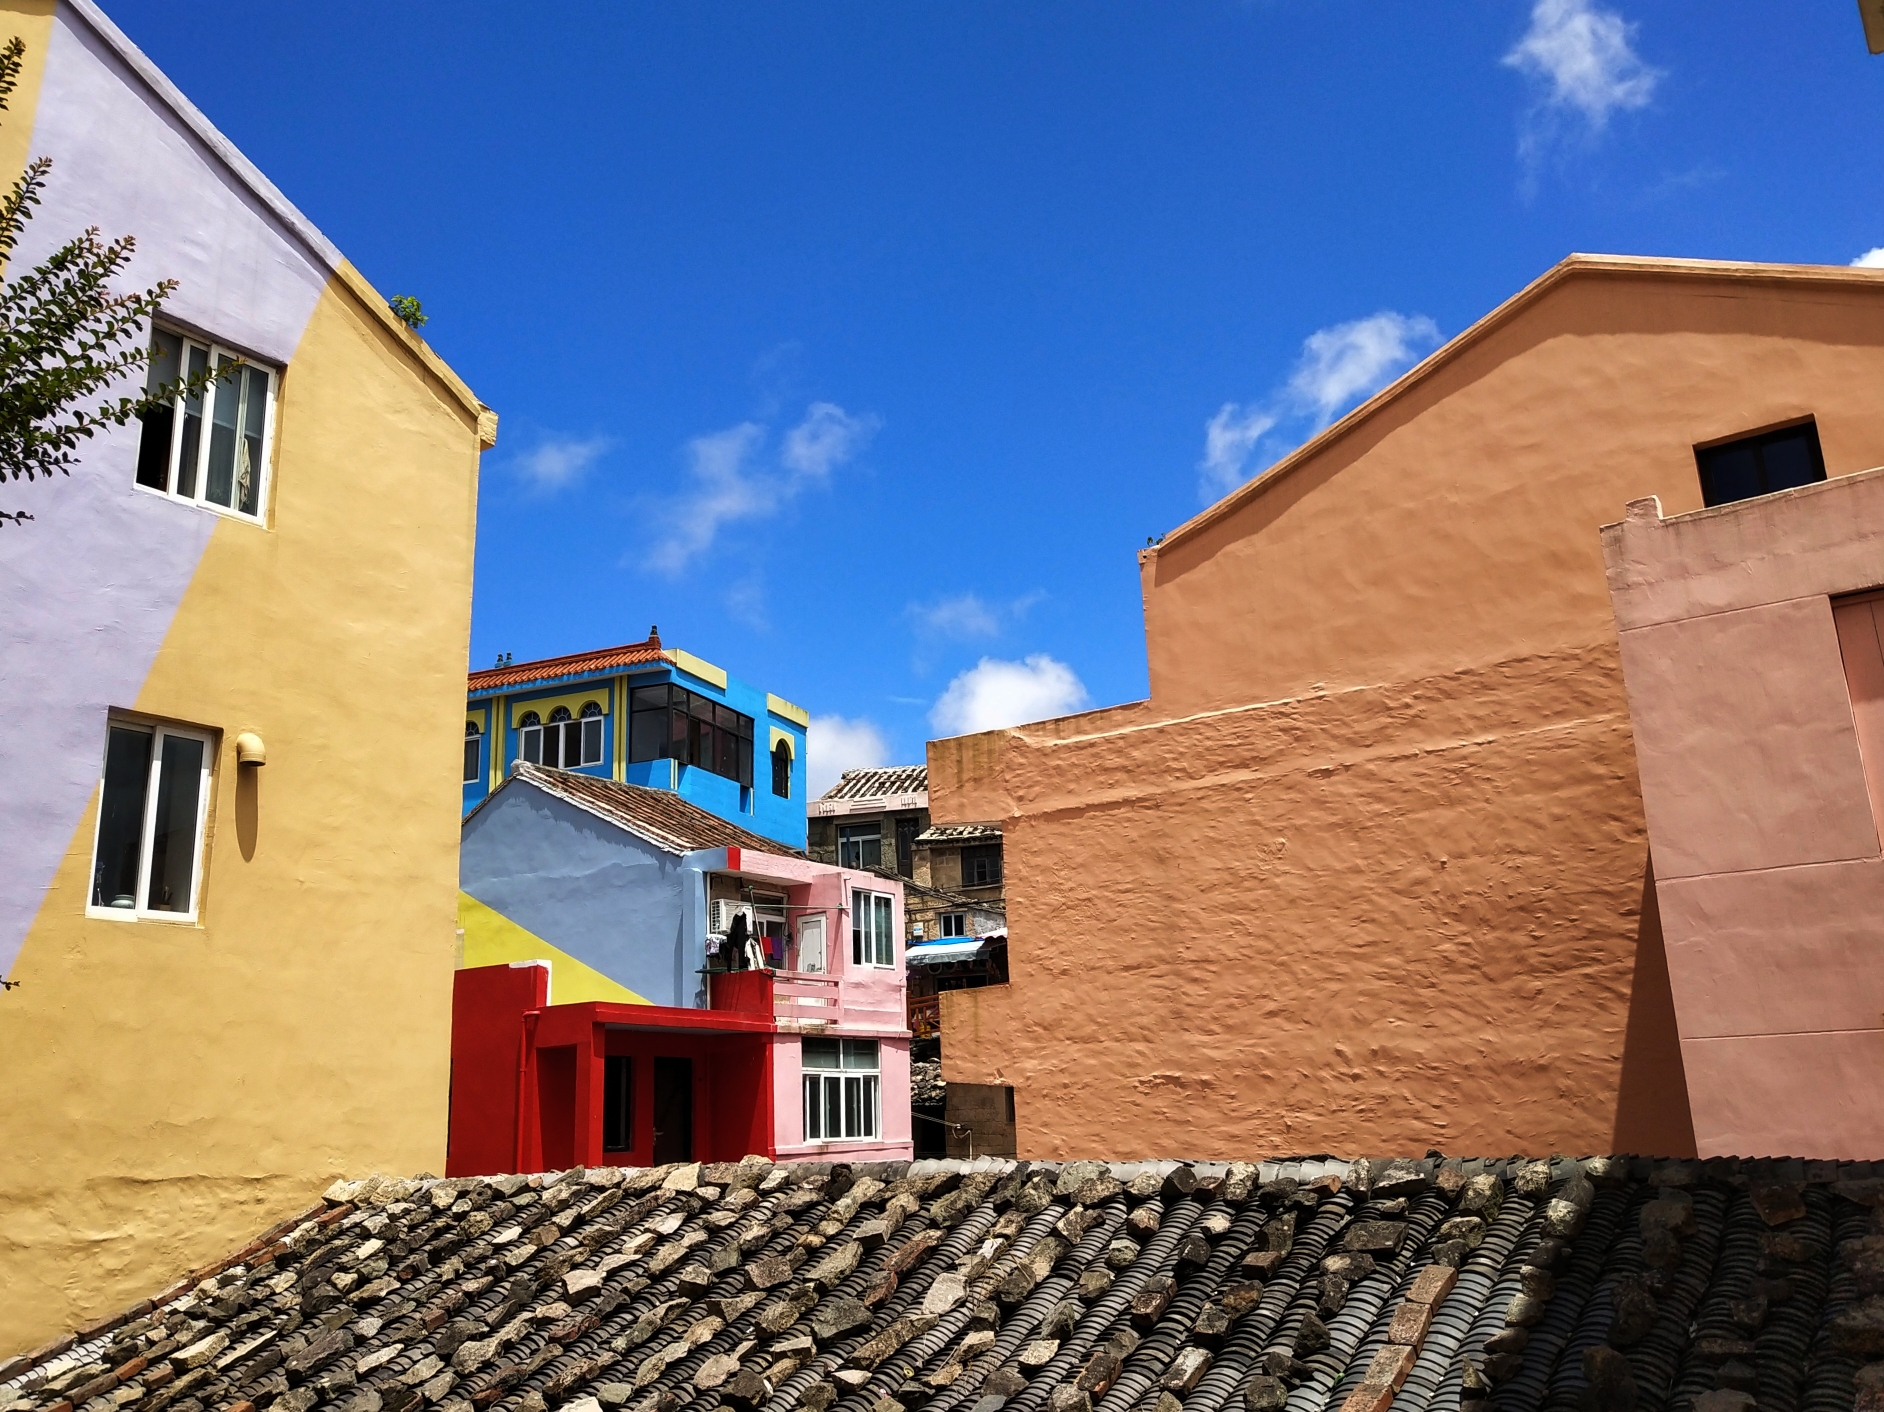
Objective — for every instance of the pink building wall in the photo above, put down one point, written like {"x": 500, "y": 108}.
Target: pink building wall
{"x": 869, "y": 1004}
{"x": 1763, "y": 840}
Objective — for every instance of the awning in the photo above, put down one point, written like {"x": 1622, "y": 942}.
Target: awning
{"x": 955, "y": 948}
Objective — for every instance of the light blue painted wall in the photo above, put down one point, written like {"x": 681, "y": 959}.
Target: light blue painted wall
{"x": 633, "y": 912}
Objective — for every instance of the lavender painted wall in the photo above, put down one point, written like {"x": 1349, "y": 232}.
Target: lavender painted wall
{"x": 1768, "y": 873}
{"x": 89, "y": 588}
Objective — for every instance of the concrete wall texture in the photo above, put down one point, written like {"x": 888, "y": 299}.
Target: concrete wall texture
{"x": 1758, "y": 782}
{"x": 173, "y": 1086}
{"x": 1369, "y": 869}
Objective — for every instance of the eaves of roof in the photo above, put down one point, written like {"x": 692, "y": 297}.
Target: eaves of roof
{"x": 547, "y": 671}
{"x": 1569, "y": 268}
{"x": 655, "y": 816}
{"x": 318, "y": 247}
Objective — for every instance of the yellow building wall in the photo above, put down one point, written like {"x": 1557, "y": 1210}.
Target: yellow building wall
{"x": 174, "y": 1088}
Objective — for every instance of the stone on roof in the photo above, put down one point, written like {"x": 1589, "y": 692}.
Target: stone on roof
{"x": 956, "y": 1286}
{"x": 887, "y": 782}
{"x": 660, "y": 816}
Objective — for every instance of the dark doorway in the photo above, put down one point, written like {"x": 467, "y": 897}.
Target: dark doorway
{"x": 618, "y": 1104}
{"x": 673, "y": 1111}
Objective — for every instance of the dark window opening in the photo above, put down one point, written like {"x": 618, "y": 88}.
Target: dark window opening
{"x": 860, "y": 845}
{"x": 1760, "y": 465}
{"x": 782, "y": 770}
{"x": 905, "y": 846}
{"x": 618, "y": 1103}
{"x": 981, "y": 865}
{"x": 669, "y": 722}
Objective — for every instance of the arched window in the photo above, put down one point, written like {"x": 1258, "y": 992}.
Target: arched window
{"x": 565, "y": 742}
{"x": 782, "y": 769}
{"x": 473, "y": 757}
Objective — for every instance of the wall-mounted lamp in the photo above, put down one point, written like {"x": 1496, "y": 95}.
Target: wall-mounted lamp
{"x": 250, "y": 750}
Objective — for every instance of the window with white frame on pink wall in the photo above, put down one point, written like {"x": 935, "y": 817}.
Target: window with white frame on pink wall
{"x": 872, "y": 929}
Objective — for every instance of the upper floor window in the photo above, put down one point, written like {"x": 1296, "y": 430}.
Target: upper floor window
{"x": 860, "y": 845}
{"x": 981, "y": 865}
{"x": 213, "y": 448}
{"x": 668, "y": 722}
{"x": 473, "y": 752}
{"x": 1760, "y": 465}
{"x": 872, "y": 942}
{"x": 954, "y": 924}
{"x": 564, "y": 741}
{"x": 782, "y": 770}
{"x": 147, "y": 854}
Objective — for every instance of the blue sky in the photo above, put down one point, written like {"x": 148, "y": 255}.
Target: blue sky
{"x": 859, "y": 345}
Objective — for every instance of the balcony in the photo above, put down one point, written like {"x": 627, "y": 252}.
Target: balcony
{"x": 803, "y": 1000}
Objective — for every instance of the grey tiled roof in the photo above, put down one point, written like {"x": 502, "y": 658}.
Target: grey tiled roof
{"x": 957, "y": 833}
{"x": 880, "y": 783}
{"x": 971, "y": 1287}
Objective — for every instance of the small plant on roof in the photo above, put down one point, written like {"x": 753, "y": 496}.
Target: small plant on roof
{"x": 64, "y": 335}
{"x": 406, "y": 309}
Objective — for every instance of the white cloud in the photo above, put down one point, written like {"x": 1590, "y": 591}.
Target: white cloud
{"x": 732, "y": 481}
{"x": 993, "y": 694}
{"x": 557, "y": 463}
{"x": 1229, "y": 438}
{"x": 834, "y": 745}
{"x": 967, "y": 616}
{"x": 1584, "y": 57}
{"x": 827, "y": 437}
{"x": 1872, "y": 259}
{"x": 1348, "y": 362}
{"x": 1339, "y": 366}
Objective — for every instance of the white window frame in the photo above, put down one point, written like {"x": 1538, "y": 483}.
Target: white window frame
{"x": 140, "y": 912}
{"x": 846, "y": 857}
{"x": 873, "y": 947}
{"x": 954, "y": 924}
{"x": 532, "y": 736}
{"x": 472, "y": 733}
{"x": 217, "y": 354}
{"x": 849, "y": 1095}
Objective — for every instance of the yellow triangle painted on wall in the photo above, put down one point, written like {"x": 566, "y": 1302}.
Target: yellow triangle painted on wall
{"x": 492, "y": 939}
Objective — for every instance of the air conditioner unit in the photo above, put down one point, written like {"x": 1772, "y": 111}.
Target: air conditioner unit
{"x": 721, "y": 913}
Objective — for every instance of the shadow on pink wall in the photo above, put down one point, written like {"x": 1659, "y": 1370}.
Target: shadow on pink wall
{"x": 1652, "y": 1116}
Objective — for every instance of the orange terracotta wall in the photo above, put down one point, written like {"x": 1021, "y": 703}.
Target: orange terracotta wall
{"x": 1368, "y": 871}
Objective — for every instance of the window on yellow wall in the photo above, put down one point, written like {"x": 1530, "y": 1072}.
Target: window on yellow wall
{"x": 213, "y": 448}
{"x": 148, "y": 849}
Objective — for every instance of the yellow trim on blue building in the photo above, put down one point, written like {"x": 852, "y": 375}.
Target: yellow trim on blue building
{"x": 697, "y": 666}
{"x": 791, "y": 744}
{"x": 779, "y": 706}
{"x": 575, "y": 701}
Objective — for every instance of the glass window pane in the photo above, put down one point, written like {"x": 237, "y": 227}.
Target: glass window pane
{"x": 533, "y": 745}
{"x": 645, "y": 698}
{"x": 833, "y": 1107}
{"x": 869, "y": 1086}
{"x": 1791, "y": 459}
{"x": 702, "y": 742}
{"x": 853, "y": 1108}
{"x": 121, "y": 817}
{"x": 249, "y": 448}
{"x": 812, "y": 1113}
{"x": 173, "y": 829}
{"x": 645, "y": 732}
{"x": 592, "y": 741}
{"x": 225, "y": 406}
{"x": 819, "y": 1054}
{"x": 677, "y": 736}
{"x": 160, "y": 423}
{"x": 860, "y": 1054}
{"x": 190, "y": 447}
{"x": 471, "y": 758}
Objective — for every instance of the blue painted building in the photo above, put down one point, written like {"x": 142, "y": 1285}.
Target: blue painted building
{"x": 648, "y": 715}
